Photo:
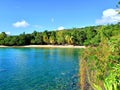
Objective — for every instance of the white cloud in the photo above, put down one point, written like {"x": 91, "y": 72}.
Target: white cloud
{"x": 8, "y": 33}
{"x": 22, "y": 23}
{"x": 61, "y": 28}
{"x": 109, "y": 16}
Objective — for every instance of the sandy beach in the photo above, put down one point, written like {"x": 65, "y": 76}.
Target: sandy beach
{"x": 47, "y": 46}
{"x": 3, "y": 46}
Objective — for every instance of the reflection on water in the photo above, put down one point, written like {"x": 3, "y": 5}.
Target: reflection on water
{"x": 39, "y": 69}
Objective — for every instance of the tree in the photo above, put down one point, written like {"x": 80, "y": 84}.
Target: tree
{"x": 69, "y": 38}
{"x": 118, "y": 6}
{"x": 45, "y": 37}
{"x": 39, "y": 38}
{"x": 14, "y": 40}
{"x": 100, "y": 65}
{"x": 22, "y": 39}
{"x": 36, "y": 38}
{"x": 90, "y": 34}
{"x": 81, "y": 37}
{"x": 52, "y": 38}
{"x": 11, "y": 40}
{"x": 3, "y": 35}
{"x": 60, "y": 36}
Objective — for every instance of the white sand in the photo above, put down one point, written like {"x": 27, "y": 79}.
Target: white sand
{"x": 48, "y": 46}
{"x": 3, "y": 46}
{"x": 55, "y": 46}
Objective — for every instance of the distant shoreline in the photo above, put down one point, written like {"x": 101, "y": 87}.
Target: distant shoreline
{"x": 46, "y": 46}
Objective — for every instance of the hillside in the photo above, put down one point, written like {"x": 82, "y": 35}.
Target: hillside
{"x": 91, "y": 35}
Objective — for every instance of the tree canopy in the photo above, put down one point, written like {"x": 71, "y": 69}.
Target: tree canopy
{"x": 88, "y": 36}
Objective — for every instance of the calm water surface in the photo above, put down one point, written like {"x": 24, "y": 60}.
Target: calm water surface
{"x": 39, "y": 69}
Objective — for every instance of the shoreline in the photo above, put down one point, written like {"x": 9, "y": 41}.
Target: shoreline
{"x": 45, "y": 46}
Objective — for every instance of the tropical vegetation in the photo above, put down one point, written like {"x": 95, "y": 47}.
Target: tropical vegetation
{"x": 77, "y": 36}
{"x": 100, "y": 64}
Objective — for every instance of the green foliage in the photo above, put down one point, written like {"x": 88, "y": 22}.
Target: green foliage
{"x": 53, "y": 38}
{"x": 88, "y": 36}
{"x": 46, "y": 37}
{"x": 100, "y": 64}
{"x": 3, "y": 35}
{"x": 103, "y": 61}
{"x": 36, "y": 38}
{"x": 60, "y": 36}
{"x": 112, "y": 82}
{"x": 22, "y": 39}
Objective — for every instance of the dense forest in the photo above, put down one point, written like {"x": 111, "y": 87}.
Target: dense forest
{"x": 90, "y": 35}
{"x": 100, "y": 65}
{"x": 100, "y": 62}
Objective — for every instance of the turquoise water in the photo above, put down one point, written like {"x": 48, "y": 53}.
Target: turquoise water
{"x": 39, "y": 69}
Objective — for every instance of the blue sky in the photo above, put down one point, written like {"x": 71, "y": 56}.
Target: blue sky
{"x": 18, "y": 16}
